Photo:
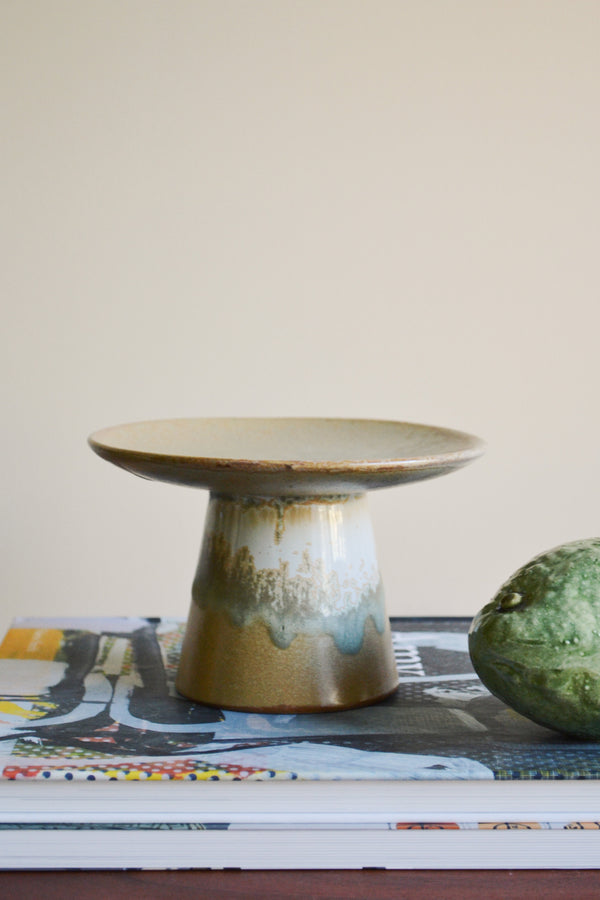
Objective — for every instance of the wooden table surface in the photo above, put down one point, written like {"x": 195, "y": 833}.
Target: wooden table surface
{"x": 305, "y": 885}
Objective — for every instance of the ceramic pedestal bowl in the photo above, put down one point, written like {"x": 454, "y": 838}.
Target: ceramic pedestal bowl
{"x": 288, "y": 610}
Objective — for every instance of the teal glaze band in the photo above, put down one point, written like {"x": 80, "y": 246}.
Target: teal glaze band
{"x": 288, "y": 604}
{"x": 304, "y": 566}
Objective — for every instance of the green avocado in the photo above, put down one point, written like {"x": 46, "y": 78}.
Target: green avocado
{"x": 536, "y": 646}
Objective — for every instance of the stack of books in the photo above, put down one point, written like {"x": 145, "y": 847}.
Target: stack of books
{"x": 103, "y": 765}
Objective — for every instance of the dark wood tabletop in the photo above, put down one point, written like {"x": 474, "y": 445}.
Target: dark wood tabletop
{"x": 304, "y": 885}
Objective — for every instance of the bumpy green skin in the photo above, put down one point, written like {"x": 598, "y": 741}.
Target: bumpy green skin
{"x": 536, "y": 646}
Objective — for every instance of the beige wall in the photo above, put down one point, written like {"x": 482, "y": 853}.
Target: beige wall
{"x": 328, "y": 207}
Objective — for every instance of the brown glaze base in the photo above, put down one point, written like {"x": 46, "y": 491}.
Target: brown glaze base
{"x": 240, "y": 668}
{"x": 287, "y": 710}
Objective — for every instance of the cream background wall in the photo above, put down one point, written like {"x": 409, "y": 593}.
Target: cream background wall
{"x": 327, "y": 207}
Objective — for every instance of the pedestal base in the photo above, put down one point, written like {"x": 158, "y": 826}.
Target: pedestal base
{"x": 288, "y": 611}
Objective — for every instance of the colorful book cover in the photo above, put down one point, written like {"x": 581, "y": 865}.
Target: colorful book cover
{"x": 312, "y": 826}
{"x": 94, "y": 699}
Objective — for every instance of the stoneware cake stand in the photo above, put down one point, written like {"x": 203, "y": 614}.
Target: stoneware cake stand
{"x": 288, "y": 610}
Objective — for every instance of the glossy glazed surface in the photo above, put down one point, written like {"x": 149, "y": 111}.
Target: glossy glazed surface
{"x": 283, "y": 456}
{"x": 288, "y": 611}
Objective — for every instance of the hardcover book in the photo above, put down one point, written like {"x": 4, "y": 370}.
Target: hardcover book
{"x": 102, "y": 764}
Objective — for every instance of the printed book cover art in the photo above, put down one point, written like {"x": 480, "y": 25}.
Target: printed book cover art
{"x": 309, "y": 826}
{"x": 95, "y": 699}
